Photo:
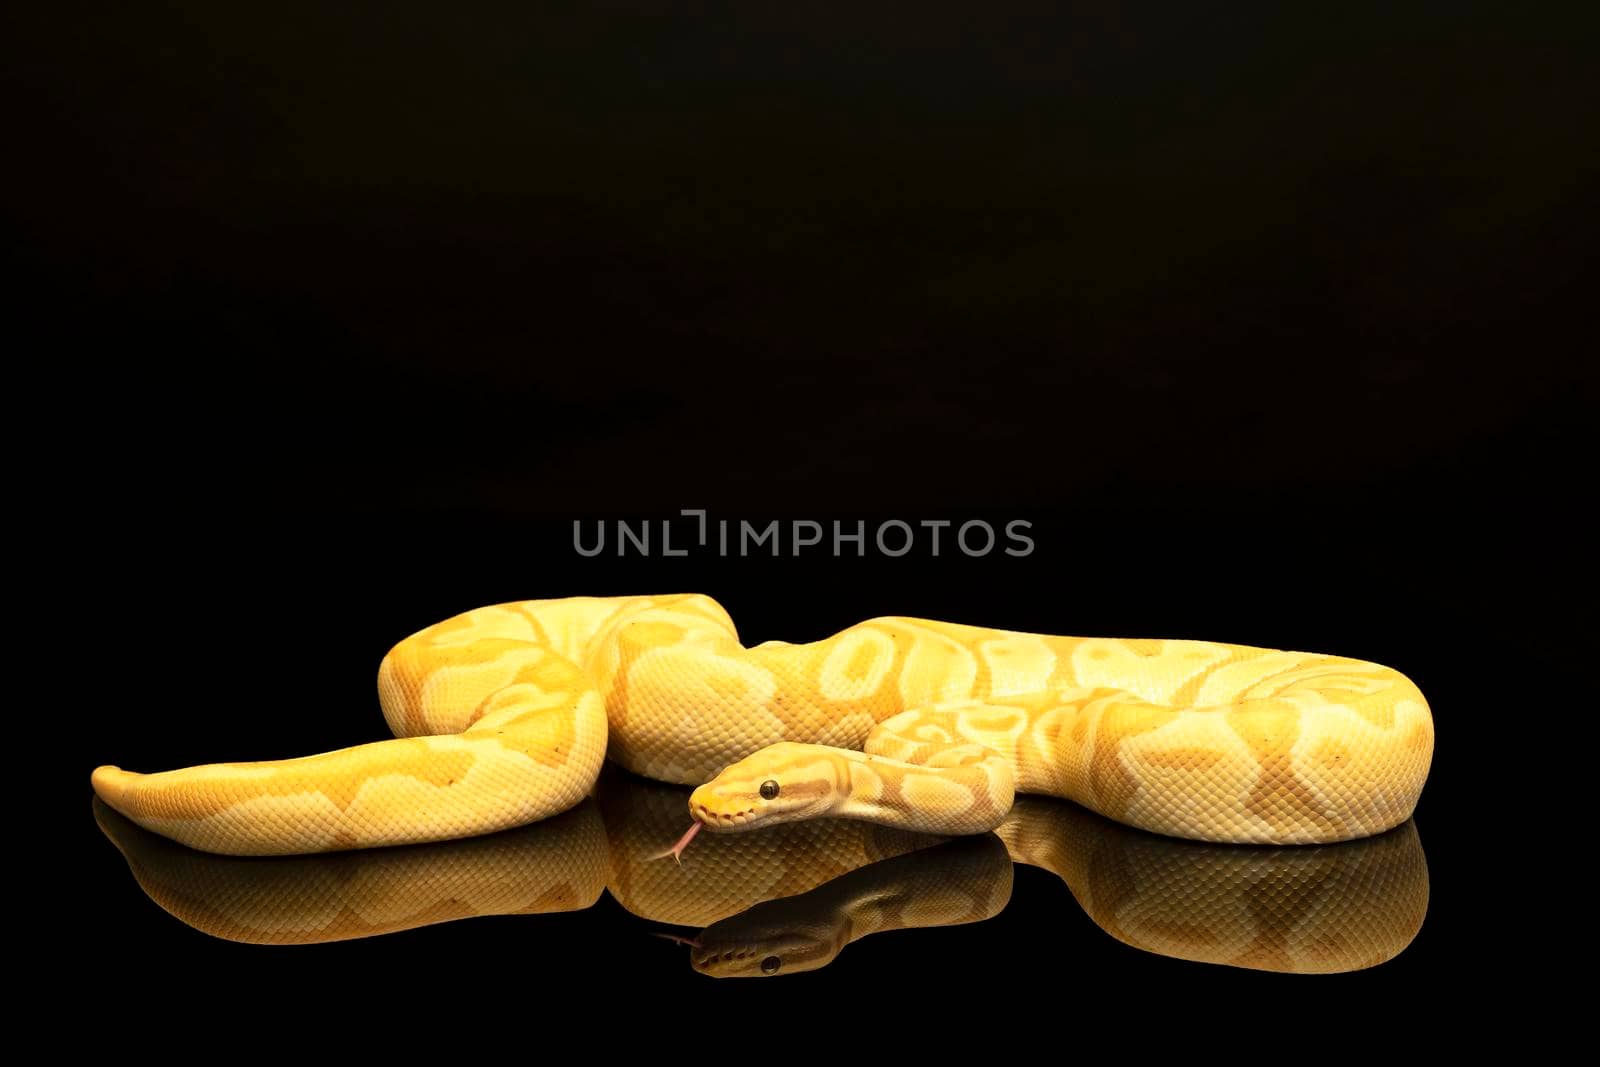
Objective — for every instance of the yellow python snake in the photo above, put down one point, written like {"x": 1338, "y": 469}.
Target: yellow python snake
{"x": 504, "y": 715}
{"x": 794, "y": 899}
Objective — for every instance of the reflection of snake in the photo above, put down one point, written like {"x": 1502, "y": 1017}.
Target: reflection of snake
{"x": 790, "y": 900}
{"x": 966, "y": 879}
{"x": 502, "y": 716}
{"x": 1330, "y": 908}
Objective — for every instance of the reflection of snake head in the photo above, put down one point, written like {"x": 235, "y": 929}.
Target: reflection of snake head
{"x": 960, "y": 881}
{"x": 760, "y": 943}
{"x": 781, "y": 783}
{"x": 783, "y": 954}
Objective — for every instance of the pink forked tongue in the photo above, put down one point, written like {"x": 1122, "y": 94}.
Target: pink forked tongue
{"x": 676, "y": 851}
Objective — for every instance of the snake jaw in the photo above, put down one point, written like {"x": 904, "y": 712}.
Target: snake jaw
{"x": 720, "y": 820}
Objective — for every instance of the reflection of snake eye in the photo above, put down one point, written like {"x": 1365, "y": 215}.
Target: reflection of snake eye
{"x": 771, "y": 964}
{"x": 769, "y": 791}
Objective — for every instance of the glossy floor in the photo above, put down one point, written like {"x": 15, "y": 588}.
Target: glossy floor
{"x": 794, "y": 898}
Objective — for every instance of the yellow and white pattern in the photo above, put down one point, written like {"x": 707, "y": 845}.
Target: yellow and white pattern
{"x": 504, "y": 715}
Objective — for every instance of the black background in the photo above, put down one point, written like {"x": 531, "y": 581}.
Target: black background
{"x": 1264, "y": 318}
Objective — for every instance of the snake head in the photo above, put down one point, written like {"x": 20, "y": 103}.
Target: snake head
{"x": 781, "y": 783}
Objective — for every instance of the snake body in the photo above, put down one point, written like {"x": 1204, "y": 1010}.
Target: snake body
{"x": 504, "y": 716}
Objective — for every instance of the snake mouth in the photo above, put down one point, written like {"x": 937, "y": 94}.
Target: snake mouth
{"x": 721, "y": 819}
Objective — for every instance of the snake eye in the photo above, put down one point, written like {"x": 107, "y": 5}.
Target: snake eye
{"x": 770, "y": 965}
{"x": 769, "y": 791}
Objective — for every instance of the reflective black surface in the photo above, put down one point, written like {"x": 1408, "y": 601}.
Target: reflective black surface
{"x": 790, "y": 899}
{"x": 1268, "y": 319}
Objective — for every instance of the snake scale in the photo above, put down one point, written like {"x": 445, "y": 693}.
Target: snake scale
{"x": 504, "y": 715}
